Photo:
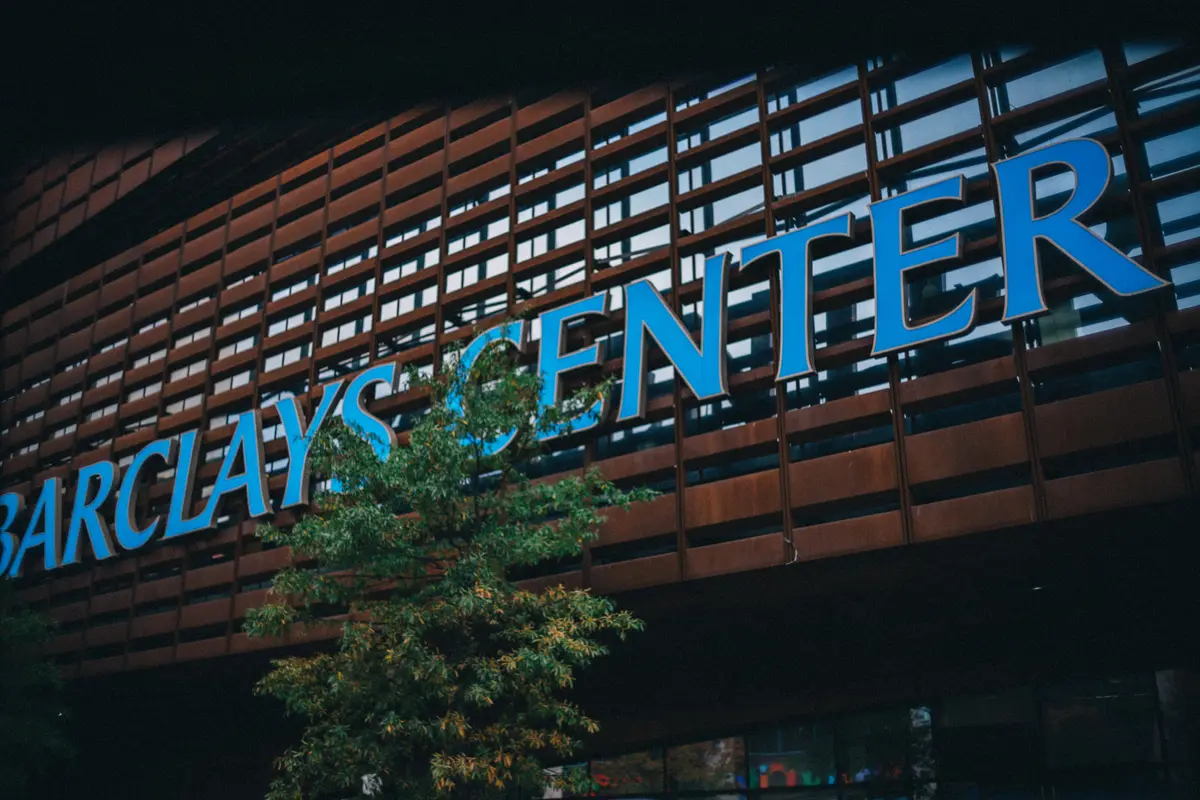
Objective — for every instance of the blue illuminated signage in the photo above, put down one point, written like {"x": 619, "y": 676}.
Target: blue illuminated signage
{"x": 698, "y": 360}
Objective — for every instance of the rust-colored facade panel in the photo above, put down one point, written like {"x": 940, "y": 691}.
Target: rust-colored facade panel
{"x": 759, "y": 552}
{"x": 1104, "y": 418}
{"x": 1150, "y": 482}
{"x": 1003, "y": 508}
{"x": 848, "y": 536}
{"x": 964, "y": 449}
{"x": 868, "y": 471}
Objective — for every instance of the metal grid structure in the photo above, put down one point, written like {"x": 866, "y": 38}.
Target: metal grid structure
{"x": 378, "y": 249}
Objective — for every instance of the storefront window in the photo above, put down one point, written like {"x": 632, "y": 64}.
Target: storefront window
{"x": 874, "y": 747}
{"x": 715, "y": 764}
{"x": 1101, "y": 723}
{"x": 793, "y": 755}
{"x": 631, "y": 774}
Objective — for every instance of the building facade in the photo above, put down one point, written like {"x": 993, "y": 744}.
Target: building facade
{"x": 395, "y": 244}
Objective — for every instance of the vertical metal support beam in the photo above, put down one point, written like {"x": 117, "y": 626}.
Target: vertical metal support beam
{"x": 994, "y": 153}
{"x": 1150, "y": 236}
{"x": 676, "y": 387}
{"x": 380, "y": 238}
{"x": 589, "y": 265}
{"x": 779, "y": 389}
{"x": 316, "y": 336}
{"x": 439, "y": 315}
{"x": 240, "y": 546}
{"x": 893, "y": 360}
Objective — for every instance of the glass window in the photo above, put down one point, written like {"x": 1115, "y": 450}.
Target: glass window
{"x": 628, "y": 129}
{"x": 112, "y": 344}
{"x": 874, "y": 747}
{"x": 68, "y": 398}
{"x": 530, "y": 173}
{"x": 557, "y": 278}
{"x": 293, "y": 320}
{"x": 560, "y": 199}
{"x": 195, "y": 368}
{"x": 294, "y": 288}
{"x": 104, "y": 380}
{"x": 615, "y": 171}
{"x": 715, "y": 764}
{"x": 688, "y": 100}
{"x": 1186, "y": 279}
{"x": 143, "y": 360}
{"x": 98, "y": 413}
{"x": 194, "y": 336}
{"x": 819, "y": 126}
{"x": 240, "y": 314}
{"x": 474, "y": 273}
{"x": 195, "y": 302}
{"x": 782, "y": 97}
{"x": 343, "y": 296}
{"x": 346, "y": 330}
{"x": 551, "y": 240}
{"x": 411, "y": 266}
{"x": 1173, "y": 152}
{"x": 988, "y": 736}
{"x": 63, "y": 431}
{"x": 1180, "y": 218}
{"x": 240, "y": 346}
{"x": 637, "y": 245}
{"x": 793, "y": 755}
{"x": 630, "y": 206}
{"x": 411, "y": 230}
{"x": 927, "y": 129}
{"x": 715, "y": 130}
{"x": 402, "y": 305}
{"x": 1053, "y": 80}
{"x": 820, "y": 171}
{"x": 344, "y": 260}
{"x": 1101, "y": 722}
{"x": 701, "y": 218}
{"x": 632, "y": 774}
{"x": 720, "y": 167}
{"x": 233, "y": 381}
{"x": 149, "y": 390}
{"x": 919, "y": 84}
{"x": 246, "y": 277}
{"x": 1168, "y": 91}
{"x": 289, "y": 356}
{"x": 185, "y": 403}
{"x": 479, "y": 198}
{"x": 473, "y": 235}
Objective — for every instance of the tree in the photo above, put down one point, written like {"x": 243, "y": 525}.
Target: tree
{"x": 31, "y": 711}
{"x": 448, "y": 681}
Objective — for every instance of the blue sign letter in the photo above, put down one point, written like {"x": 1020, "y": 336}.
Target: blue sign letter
{"x": 892, "y": 331}
{"x": 247, "y": 441}
{"x": 181, "y": 491}
{"x": 13, "y": 504}
{"x": 514, "y": 334}
{"x": 796, "y": 356}
{"x": 1021, "y": 227}
{"x": 85, "y": 513}
{"x": 354, "y": 413}
{"x": 702, "y": 368}
{"x": 45, "y": 528}
{"x": 291, "y": 414}
{"x": 552, "y": 362}
{"x": 128, "y": 535}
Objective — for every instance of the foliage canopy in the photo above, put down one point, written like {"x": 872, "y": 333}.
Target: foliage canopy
{"x": 448, "y": 681}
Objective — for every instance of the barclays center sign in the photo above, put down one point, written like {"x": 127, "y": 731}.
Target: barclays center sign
{"x": 55, "y": 530}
